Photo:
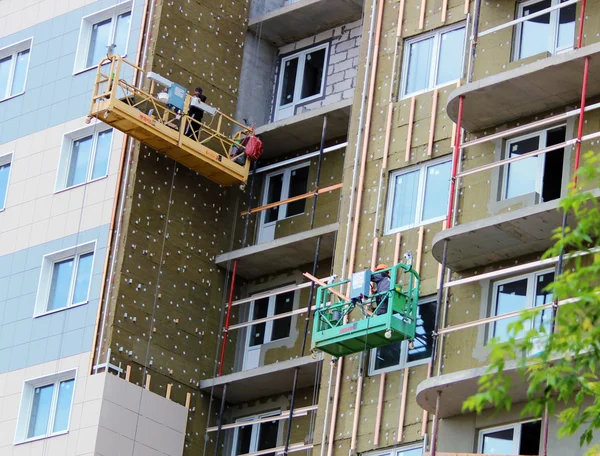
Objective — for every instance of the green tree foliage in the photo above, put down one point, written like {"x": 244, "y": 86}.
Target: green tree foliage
{"x": 560, "y": 367}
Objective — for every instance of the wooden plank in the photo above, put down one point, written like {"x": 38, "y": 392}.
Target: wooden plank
{"x": 323, "y": 284}
{"x": 397, "y": 248}
{"x": 128, "y": 373}
{"x": 444, "y": 11}
{"x": 419, "y": 257}
{"x": 188, "y": 400}
{"x": 400, "y": 434}
{"x": 423, "y": 11}
{"x": 293, "y": 198}
{"x": 432, "y": 122}
{"x": 169, "y": 388}
{"x": 411, "y": 121}
{"x": 380, "y": 398}
{"x": 148, "y": 378}
{"x": 424, "y": 423}
{"x": 400, "y": 18}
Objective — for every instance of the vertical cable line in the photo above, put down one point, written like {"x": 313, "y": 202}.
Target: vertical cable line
{"x": 312, "y": 287}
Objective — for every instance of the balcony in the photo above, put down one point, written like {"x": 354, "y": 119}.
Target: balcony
{"x": 537, "y": 87}
{"x": 296, "y": 20}
{"x": 288, "y": 252}
{"x": 457, "y": 387}
{"x": 303, "y": 131}
{"x": 263, "y": 381}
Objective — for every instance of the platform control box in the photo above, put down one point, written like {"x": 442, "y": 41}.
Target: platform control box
{"x": 177, "y": 96}
{"x": 360, "y": 284}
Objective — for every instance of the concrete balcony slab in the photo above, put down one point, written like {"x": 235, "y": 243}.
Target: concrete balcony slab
{"x": 303, "y": 131}
{"x": 547, "y": 84}
{"x": 304, "y": 18}
{"x": 281, "y": 254}
{"x": 500, "y": 237}
{"x": 263, "y": 381}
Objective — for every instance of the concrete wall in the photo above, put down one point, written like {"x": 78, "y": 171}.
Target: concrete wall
{"x": 109, "y": 416}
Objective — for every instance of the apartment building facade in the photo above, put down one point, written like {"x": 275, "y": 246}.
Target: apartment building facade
{"x": 145, "y": 309}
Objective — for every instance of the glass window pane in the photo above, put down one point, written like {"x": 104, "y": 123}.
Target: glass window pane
{"x": 5, "y": 66}
{"x": 543, "y": 296}
{"x": 82, "y": 281}
{"x": 510, "y": 298}
{"x": 122, "y": 33}
{"x": 435, "y": 201}
{"x": 298, "y": 186}
{"x": 60, "y": 284}
{"x": 423, "y": 341}
{"x": 521, "y": 176}
{"x": 40, "y": 411}
{"x": 18, "y": 84}
{"x": 100, "y": 168}
{"x": 499, "y": 442}
{"x": 244, "y": 439}
{"x": 419, "y": 66}
{"x": 267, "y": 436}
{"x": 566, "y": 27}
{"x": 4, "y": 172}
{"x": 283, "y": 303}
{"x": 257, "y": 332}
{"x": 404, "y": 205}
{"x": 288, "y": 82}
{"x": 387, "y": 356}
{"x": 313, "y": 73}
{"x": 530, "y": 437}
{"x": 451, "y": 56}
{"x": 79, "y": 161}
{"x": 275, "y": 184}
{"x": 63, "y": 405}
{"x": 534, "y": 32}
{"x": 98, "y": 42}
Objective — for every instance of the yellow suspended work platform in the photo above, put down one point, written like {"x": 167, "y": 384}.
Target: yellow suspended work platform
{"x": 201, "y": 146}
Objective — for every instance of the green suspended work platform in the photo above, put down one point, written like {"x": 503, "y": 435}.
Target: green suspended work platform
{"x": 335, "y": 333}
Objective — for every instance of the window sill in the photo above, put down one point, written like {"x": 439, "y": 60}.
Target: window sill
{"x": 77, "y": 71}
{"x": 12, "y": 96}
{"x": 50, "y": 312}
{"x": 60, "y": 190}
{"x": 41, "y": 437}
{"x": 429, "y": 89}
{"x": 416, "y": 225}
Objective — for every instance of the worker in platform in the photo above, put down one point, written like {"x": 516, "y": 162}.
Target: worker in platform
{"x": 381, "y": 283}
{"x": 193, "y": 129}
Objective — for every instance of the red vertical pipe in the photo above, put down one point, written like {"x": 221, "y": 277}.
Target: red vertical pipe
{"x": 227, "y": 319}
{"x": 581, "y": 22}
{"x": 457, "y": 140}
{"x": 586, "y": 71}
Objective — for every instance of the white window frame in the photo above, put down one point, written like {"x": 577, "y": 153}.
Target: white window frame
{"x": 418, "y": 219}
{"x": 13, "y": 50}
{"x": 6, "y": 159}
{"x": 553, "y": 49}
{"x": 24, "y": 415}
{"x": 436, "y": 34}
{"x": 255, "y": 430}
{"x": 516, "y": 435}
{"x": 397, "y": 451}
{"x": 285, "y": 192}
{"x": 48, "y": 261}
{"x": 85, "y": 33}
{"x": 530, "y": 297}
{"x": 297, "y": 101}
{"x": 539, "y": 179}
{"x": 66, "y": 151}
{"x": 403, "y": 351}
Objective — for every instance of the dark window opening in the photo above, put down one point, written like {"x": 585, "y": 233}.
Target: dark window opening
{"x": 288, "y": 87}
{"x": 267, "y": 436}
{"x": 298, "y": 186}
{"x": 530, "y": 438}
{"x": 275, "y": 184}
{"x": 281, "y": 327}
{"x": 244, "y": 440}
{"x": 313, "y": 73}
{"x": 553, "y": 166}
{"x": 257, "y": 334}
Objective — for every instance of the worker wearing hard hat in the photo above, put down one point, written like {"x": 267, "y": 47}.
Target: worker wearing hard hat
{"x": 382, "y": 283}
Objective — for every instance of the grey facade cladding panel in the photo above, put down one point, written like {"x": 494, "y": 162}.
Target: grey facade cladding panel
{"x": 26, "y": 341}
{"x": 53, "y": 94}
